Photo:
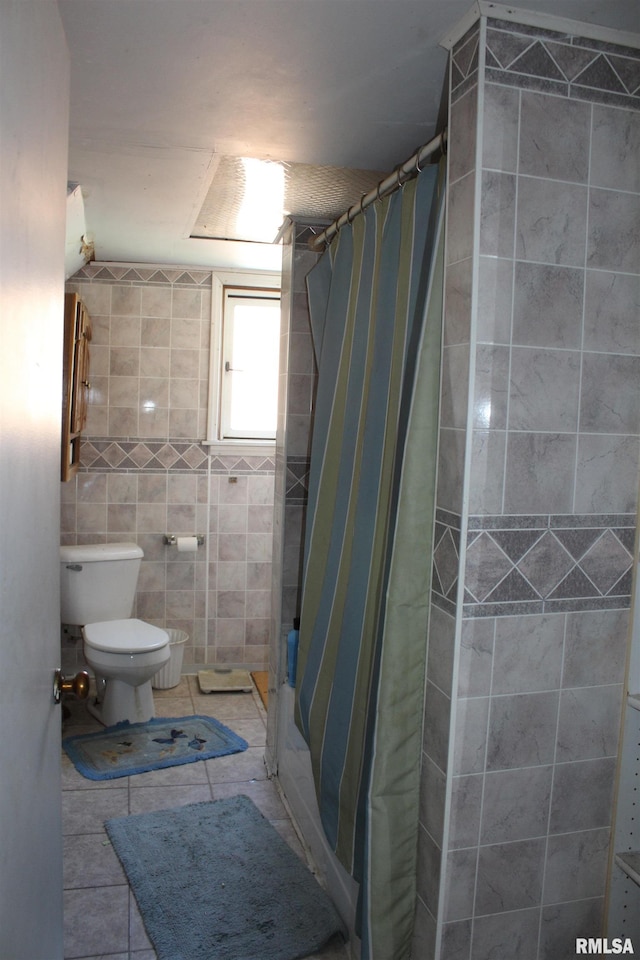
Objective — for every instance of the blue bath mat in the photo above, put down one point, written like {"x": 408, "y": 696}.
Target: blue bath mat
{"x": 129, "y": 748}
{"x": 216, "y": 881}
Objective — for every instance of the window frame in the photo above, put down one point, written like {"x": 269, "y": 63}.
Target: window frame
{"x": 220, "y": 281}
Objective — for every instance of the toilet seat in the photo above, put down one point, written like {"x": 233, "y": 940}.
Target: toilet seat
{"x": 124, "y": 636}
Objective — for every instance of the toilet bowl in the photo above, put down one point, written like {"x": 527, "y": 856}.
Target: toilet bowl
{"x": 124, "y": 655}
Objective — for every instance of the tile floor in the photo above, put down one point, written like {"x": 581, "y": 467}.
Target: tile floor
{"x": 102, "y": 921}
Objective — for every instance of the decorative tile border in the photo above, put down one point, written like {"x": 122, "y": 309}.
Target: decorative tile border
{"x": 552, "y": 62}
{"x": 156, "y": 276}
{"x": 536, "y": 59}
{"x": 464, "y": 62}
{"x": 161, "y": 456}
{"x": 297, "y": 481}
{"x": 446, "y": 561}
{"x": 535, "y": 564}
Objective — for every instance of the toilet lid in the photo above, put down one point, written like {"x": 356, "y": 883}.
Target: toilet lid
{"x": 124, "y": 636}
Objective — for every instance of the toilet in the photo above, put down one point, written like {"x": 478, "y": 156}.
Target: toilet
{"x": 97, "y": 590}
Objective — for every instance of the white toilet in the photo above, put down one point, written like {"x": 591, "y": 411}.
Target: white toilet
{"x": 97, "y": 590}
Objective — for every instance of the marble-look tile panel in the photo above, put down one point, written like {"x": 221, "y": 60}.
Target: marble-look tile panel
{"x": 471, "y": 735}
{"x": 461, "y": 882}
{"x": 612, "y": 305}
{"x": 497, "y": 214}
{"x": 614, "y": 231}
{"x": 432, "y": 799}
{"x": 615, "y": 149}
{"x": 454, "y": 386}
{"x": 576, "y": 862}
{"x": 513, "y": 934}
{"x": 456, "y": 940}
{"x": 595, "y": 648}
{"x": 607, "y": 474}
{"x": 466, "y": 804}
{"x": 516, "y": 804}
{"x": 589, "y": 722}
{"x": 610, "y": 396}
{"x": 450, "y": 469}
{"x": 522, "y": 730}
{"x": 552, "y": 221}
{"x": 544, "y": 390}
{"x": 554, "y": 138}
{"x": 476, "y": 658}
{"x": 488, "y": 450}
{"x": 460, "y": 216}
{"x": 436, "y": 726}
{"x": 441, "y": 650}
{"x": 527, "y": 654}
{"x": 573, "y": 782}
{"x": 458, "y": 298}
{"x": 491, "y": 387}
{"x": 547, "y": 307}
{"x": 561, "y": 921}
{"x": 509, "y": 876}
{"x": 500, "y": 128}
{"x": 540, "y": 471}
{"x": 495, "y": 295}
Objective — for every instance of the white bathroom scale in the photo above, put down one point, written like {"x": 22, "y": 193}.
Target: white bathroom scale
{"x": 225, "y": 681}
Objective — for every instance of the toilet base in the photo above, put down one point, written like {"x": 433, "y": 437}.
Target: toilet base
{"x": 123, "y": 702}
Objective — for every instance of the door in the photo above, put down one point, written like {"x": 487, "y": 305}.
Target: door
{"x": 33, "y": 173}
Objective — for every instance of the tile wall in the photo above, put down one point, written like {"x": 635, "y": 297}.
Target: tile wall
{"x": 145, "y": 471}
{"x": 295, "y": 403}
{"x": 537, "y": 496}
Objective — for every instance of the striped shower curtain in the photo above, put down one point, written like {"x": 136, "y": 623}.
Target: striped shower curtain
{"x": 376, "y": 306}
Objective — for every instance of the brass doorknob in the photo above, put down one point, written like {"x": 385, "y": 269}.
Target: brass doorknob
{"x": 78, "y": 685}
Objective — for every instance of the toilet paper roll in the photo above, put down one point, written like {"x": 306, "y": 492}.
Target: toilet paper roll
{"x": 187, "y": 544}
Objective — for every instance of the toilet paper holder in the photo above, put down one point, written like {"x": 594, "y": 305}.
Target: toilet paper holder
{"x": 171, "y": 539}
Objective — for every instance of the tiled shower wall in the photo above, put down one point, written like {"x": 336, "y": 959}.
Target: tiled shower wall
{"x": 295, "y": 402}
{"x": 537, "y": 496}
{"x": 145, "y": 471}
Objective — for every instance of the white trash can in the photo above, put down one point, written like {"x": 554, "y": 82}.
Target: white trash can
{"x": 169, "y": 675}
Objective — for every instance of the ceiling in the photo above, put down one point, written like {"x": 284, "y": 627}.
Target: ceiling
{"x": 168, "y": 96}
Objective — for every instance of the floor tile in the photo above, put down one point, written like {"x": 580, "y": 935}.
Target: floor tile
{"x": 91, "y": 861}
{"x": 248, "y": 765}
{"x": 93, "y": 918}
{"x": 227, "y": 706}
{"x": 174, "y": 707}
{"x": 253, "y": 731}
{"x": 145, "y": 799}
{"x": 264, "y": 794}
{"x": 102, "y": 921}
{"x": 84, "y": 811}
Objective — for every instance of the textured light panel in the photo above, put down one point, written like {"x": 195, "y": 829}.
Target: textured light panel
{"x": 309, "y": 193}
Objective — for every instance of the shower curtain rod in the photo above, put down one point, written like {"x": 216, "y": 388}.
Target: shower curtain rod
{"x": 391, "y": 183}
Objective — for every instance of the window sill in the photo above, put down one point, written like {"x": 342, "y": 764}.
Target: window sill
{"x": 241, "y": 448}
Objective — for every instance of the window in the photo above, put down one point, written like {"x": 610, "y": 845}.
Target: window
{"x": 243, "y": 382}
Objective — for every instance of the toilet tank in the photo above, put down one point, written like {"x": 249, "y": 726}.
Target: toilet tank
{"x": 98, "y": 581}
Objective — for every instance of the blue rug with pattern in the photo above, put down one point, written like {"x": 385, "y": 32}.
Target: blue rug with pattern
{"x": 130, "y": 748}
